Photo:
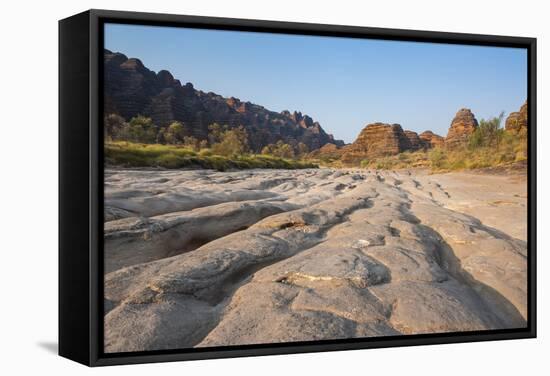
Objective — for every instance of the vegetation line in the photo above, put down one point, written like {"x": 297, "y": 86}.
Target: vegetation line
{"x": 140, "y": 143}
{"x": 129, "y": 154}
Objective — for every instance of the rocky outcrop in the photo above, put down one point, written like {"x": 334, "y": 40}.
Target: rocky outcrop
{"x": 517, "y": 121}
{"x": 131, "y": 89}
{"x": 462, "y": 126}
{"x": 415, "y": 142}
{"x": 379, "y": 139}
{"x": 328, "y": 152}
{"x": 431, "y": 140}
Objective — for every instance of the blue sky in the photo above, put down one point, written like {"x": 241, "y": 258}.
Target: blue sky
{"x": 343, "y": 83}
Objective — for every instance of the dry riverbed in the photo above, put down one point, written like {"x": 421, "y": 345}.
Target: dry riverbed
{"x": 206, "y": 258}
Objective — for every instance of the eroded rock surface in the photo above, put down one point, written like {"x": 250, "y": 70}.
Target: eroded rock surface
{"x": 205, "y": 258}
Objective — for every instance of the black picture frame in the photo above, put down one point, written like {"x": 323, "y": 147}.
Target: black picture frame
{"x": 81, "y": 186}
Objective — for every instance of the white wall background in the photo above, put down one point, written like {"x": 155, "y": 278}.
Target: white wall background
{"x": 28, "y": 199}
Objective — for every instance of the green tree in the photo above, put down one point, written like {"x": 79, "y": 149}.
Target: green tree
{"x": 191, "y": 142}
{"x": 488, "y": 134}
{"x": 215, "y": 132}
{"x": 175, "y": 133}
{"x": 232, "y": 142}
{"x": 283, "y": 150}
{"x": 139, "y": 129}
{"x": 279, "y": 149}
{"x": 160, "y": 136}
{"x": 268, "y": 149}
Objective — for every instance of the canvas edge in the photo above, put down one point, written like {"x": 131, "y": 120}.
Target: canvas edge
{"x": 74, "y": 279}
{"x": 92, "y": 343}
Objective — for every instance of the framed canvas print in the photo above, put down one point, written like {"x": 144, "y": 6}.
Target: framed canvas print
{"x": 239, "y": 187}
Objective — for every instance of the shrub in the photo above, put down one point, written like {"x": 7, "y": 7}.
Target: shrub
{"x": 488, "y": 133}
{"x": 437, "y": 158}
{"x": 139, "y": 129}
{"x": 520, "y": 156}
{"x": 232, "y": 142}
{"x": 279, "y": 149}
{"x": 175, "y": 133}
{"x": 205, "y": 152}
{"x": 215, "y": 132}
{"x": 403, "y": 156}
{"x": 191, "y": 142}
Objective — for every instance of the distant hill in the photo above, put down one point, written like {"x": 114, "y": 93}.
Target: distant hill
{"x": 131, "y": 89}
